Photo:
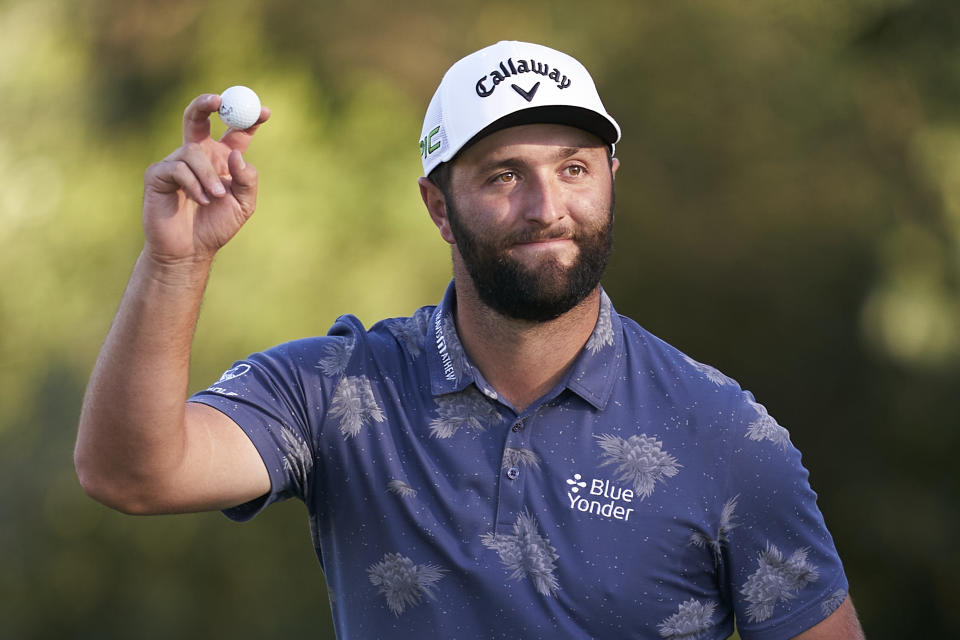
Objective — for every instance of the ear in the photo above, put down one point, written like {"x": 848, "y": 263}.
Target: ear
{"x": 614, "y": 165}
{"x": 437, "y": 207}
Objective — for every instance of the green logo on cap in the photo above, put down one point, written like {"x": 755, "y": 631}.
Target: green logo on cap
{"x": 427, "y": 146}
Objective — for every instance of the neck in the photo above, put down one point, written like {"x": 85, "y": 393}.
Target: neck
{"x": 521, "y": 359}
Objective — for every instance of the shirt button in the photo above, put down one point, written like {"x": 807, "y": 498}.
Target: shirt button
{"x": 490, "y": 393}
{"x": 513, "y": 472}
{"x": 517, "y": 426}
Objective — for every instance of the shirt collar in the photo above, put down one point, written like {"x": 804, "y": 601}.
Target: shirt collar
{"x": 598, "y": 366}
{"x": 591, "y": 377}
{"x": 450, "y": 368}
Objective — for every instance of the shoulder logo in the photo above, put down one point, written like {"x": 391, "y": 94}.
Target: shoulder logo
{"x": 228, "y": 375}
{"x": 235, "y": 372}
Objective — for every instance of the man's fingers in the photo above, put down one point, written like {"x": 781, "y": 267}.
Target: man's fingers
{"x": 243, "y": 182}
{"x": 239, "y": 139}
{"x": 191, "y": 169}
{"x": 196, "y": 117}
{"x": 170, "y": 175}
{"x": 194, "y": 156}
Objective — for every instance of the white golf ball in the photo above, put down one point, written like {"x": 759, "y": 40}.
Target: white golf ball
{"x": 239, "y": 107}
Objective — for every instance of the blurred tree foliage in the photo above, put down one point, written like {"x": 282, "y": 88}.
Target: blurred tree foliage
{"x": 788, "y": 210}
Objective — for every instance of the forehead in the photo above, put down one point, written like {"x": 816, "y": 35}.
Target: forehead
{"x": 541, "y": 141}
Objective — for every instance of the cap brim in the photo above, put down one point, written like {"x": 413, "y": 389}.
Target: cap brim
{"x": 571, "y": 116}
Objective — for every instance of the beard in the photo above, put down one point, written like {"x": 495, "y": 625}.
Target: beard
{"x": 539, "y": 293}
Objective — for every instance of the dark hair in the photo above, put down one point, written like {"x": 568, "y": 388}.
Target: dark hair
{"x": 440, "y": 176}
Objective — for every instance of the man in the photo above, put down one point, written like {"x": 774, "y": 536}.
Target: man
{"x": 518, "y": 460}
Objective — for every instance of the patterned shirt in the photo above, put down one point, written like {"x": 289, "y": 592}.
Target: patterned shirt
{"x": 645, "y": 496}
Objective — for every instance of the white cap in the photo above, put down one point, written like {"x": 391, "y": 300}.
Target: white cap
{"x": 505, "y": 85}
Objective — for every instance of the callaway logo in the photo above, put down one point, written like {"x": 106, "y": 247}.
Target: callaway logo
{"x": 526, "y": 95}
{"x": 507, "y": 69}
{"x": 608, "y": 502}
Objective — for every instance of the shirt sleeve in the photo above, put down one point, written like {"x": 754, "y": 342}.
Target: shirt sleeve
{"x": 279, "y": 397}
{"x": 780, "y": 563}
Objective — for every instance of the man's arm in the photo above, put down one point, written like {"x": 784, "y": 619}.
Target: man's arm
{"x": 842, "y": 624}
{"x": 141, "y": 448}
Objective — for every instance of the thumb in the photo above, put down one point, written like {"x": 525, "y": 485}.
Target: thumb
{"x": 243, "y": 182}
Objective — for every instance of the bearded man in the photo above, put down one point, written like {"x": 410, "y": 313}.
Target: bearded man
{"x": 518, "y": 460}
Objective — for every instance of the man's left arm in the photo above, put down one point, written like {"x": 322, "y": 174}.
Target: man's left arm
{"x": 842, "y": 624}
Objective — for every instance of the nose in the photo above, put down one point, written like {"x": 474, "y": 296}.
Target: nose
{"x": 544, "y": 202}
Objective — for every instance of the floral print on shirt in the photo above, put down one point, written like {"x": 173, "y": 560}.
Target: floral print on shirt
{"x": 727, "y": 524}
{"x": 602, "y": 335}
{"x": 403, "y": 583}
{"x": 640, "y": 460}
{"x": 526, "y": 553}
{"x": 689, "y": 622}
{"x": 468, "y": 409}
{"x": 764, "y": 427}
{"x": 297, "y": 457}
{"x": 776, "y": 578}
{"x": 354, "y": 405}
{"x": 336, "y": 356}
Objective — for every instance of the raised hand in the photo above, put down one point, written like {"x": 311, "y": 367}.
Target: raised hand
{"x": 197, "y": 198}
{"x": 140, "y": 447}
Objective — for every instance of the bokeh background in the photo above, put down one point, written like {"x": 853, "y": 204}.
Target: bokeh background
{"x": 788, "y": 211}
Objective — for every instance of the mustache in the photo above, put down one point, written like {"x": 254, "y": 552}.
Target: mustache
{"x": 541, "y": 235}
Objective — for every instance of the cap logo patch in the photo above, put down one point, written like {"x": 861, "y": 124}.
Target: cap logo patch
{"x": 487, "y": 84}
{"x": 427, "y": 145}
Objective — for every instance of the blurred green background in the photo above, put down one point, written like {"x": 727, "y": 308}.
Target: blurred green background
{"x": 788, "y": 211}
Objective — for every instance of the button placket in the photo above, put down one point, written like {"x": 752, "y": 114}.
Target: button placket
{"x": 513, "y": 472}
{"x": 512, "y": 475}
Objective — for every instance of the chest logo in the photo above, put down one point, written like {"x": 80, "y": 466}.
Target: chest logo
{"x": 603, "y": 498}
{"x": 576, "y": 483}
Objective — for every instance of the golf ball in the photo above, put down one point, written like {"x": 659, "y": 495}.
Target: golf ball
{"x": 239, "y": 107}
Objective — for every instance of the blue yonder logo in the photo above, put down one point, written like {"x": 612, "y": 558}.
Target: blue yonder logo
{"x": 603, "y": 498}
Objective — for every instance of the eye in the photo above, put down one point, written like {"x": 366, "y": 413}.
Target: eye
{"x": 575, "y": 170}
{"x": 506, "y": 177}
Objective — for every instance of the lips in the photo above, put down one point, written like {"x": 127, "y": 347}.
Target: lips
{"x": 544, "y": 242}
{"x": 538, "y": 238}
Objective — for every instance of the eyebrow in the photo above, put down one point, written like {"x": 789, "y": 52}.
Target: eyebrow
{"x": 513, "y": 161}
{"x": 566, "y": 152}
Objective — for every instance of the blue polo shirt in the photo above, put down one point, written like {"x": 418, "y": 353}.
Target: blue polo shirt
{"x": 646, "y": 496}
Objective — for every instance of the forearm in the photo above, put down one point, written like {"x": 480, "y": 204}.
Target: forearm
{"x": 131, "y": 434}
